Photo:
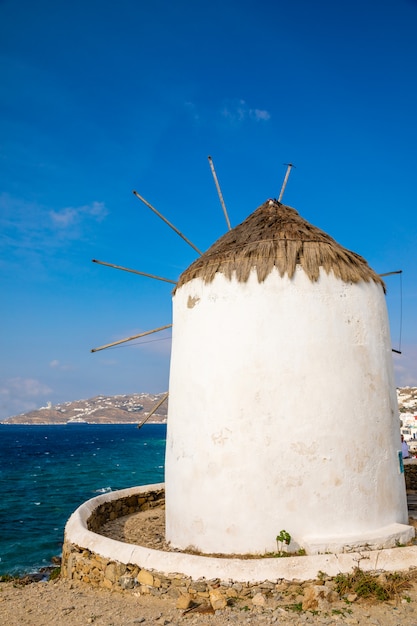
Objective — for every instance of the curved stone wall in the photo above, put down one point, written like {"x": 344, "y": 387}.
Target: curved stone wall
{"x": 104, "y": 562}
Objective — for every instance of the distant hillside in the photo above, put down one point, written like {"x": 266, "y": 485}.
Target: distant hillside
{"x": 134, "y": 408}
{"x": 126, "y": 409}
{"x": 407, "y": 399}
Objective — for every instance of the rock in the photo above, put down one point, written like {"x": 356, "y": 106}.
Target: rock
{"x": 145, "y": 578}
{"x": 351, "y": 597}
{"x": 217, "y": 599}
{"x": 184, "y": 601}
{"x": 258, "y": 599}
{"x": 110, "y": 573}
{"x": 126, "y": 582}
{"x": 318, "y": 597}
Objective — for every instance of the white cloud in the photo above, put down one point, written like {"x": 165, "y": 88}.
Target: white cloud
{"x": 64, "y": 218}
{"x": 259, "y": 114}
{"x": 24, "y": 221}
{"x": 19, "y": 395}
{"x": 30, "y": 232}
{"x": 55, "y": 364}
{"x": 69, "y": 216}
{"x": 97, "y": 210}
{"x": 238, "y": 111}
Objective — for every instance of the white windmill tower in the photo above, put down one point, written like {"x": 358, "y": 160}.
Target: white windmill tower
{"x": 282, "y": 404}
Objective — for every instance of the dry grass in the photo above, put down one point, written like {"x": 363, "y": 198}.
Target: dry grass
{"x": 275, "y": 235}
{"x": 383, "y": 587}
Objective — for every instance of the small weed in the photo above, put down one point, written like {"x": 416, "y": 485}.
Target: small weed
{"x": 341, "y": 612}
{"x": 55, "y": 573}
{"x": 245, "y": 608}
{"x": 283, "y": 555}
{"x": 7, "y": 578}
{"x": 297, "y": 607}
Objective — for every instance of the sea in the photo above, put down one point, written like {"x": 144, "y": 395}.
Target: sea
{"x": 46, "y": 472}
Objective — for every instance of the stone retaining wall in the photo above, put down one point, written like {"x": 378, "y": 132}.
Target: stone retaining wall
{"x": 83, "y": 565}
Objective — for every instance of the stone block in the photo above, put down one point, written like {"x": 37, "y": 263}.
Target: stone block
{"x": 318, "y": 597}
{"x": 106, "y": 583}
{"x": 184, "y": 601}
{"x": 127, "y": 582}
{"x": 258, "y": 599}
{"x": 145, "y": 578}
{"x": 110, "y": 573}
{"x": 217, "y": 599}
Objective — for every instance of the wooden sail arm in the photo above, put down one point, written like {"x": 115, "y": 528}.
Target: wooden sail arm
{"x": 116, "y": 343}
{"x": 219, "y": 192}
{"x": 155, "y": 408}
{"x": 126, "y": 269}
{"x": 167, "y": 222}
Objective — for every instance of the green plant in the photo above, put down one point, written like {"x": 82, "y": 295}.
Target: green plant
{"x": 55, "y": 573}
{"x": 284, "y": 537}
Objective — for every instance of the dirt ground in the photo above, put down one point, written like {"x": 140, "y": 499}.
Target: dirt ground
{"x": 77, "y": 604}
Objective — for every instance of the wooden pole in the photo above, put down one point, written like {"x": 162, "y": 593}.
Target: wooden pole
{"x": 167, "y": 222}
{"x": 126, "y": 269}
{"x": 391, "y": 273}
{"x": 116, "y": 343}
{"x": 284, "y": 184}
{"x": 156, "y": 407}
{"x": 219, "y": 191}
{"x": 401, "y": 306}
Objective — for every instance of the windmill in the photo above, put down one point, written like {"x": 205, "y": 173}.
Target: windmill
{"x": 282, "y": 406}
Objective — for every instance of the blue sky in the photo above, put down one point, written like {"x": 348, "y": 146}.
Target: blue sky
{"x": 100, "y": 97}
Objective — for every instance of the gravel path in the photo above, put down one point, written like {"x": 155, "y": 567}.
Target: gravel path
{"x": 63, "y": 603}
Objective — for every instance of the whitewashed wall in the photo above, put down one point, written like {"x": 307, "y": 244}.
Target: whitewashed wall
{"x": 282, "y": 415}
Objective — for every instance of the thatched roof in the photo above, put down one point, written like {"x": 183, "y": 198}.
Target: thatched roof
{"x": 276, "y": 236}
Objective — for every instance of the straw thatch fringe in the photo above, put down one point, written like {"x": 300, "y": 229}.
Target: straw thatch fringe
{"x": 276, "y": 236}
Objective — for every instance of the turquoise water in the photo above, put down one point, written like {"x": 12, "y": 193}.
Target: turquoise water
{"x": 46, "y": 472}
